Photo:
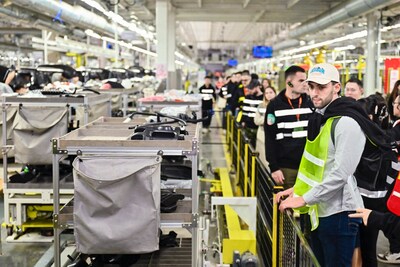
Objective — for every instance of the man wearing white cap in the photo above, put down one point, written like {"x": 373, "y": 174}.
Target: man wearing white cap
{"x": 325, "y": 187}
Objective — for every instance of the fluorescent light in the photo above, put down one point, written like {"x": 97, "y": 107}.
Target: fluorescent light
{"x": 342, "y": 48}
{"x": 179, "y": 62}
{"x": 91, "y": 33}
{"x": 293, "y": 57}
{"x": 95, "y": 5}
{"x": 120, "y": 20}
{"x": 351, "y": 36}
{"x": 345, "y": 61}
{"x": 179, "y": 55}
{"x": 388, "y": 28}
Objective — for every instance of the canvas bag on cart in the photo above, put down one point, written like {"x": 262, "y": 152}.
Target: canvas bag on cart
{"x": 94, "y": 112}
{"x": 117, "y": 204}
{"x": 33, "y": 129}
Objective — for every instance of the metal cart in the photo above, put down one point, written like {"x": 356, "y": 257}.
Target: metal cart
{"x": 18, "y": 195}
{"x": 110, "y": 136}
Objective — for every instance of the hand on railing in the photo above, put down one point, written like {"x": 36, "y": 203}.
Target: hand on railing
{"x": 292, "y": 203}
{"x": 283, "y": 194}
{"x": 278, "y": 177}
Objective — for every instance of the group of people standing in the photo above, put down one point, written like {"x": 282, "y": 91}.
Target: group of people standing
{"x": 314, "y": 139}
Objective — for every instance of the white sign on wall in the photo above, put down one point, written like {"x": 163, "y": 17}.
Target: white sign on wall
{"x": 393, "y": 78}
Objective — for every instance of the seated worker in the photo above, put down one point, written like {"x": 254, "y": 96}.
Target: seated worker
{"x": 21, "y": 89}
{"x": 6, "y": 77}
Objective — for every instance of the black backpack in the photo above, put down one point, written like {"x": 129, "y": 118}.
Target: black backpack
{"x": 375, "y": 166}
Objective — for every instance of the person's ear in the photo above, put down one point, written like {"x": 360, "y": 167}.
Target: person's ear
{"x": 337, "y": 88}
{"x": 290, "y": 84}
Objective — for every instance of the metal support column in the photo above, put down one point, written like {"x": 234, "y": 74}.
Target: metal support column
{"x": 46, "y": 37}
{"x": 116, "y": 38}
{"x": 165, "y": 27}
{"x": 373, "y": 42}
{"x": 56, "y": 209}
{"x": 147, "y": 55}
{"x": 172, "y": 77}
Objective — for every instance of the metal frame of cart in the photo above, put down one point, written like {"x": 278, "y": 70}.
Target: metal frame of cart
{"x": 112, "y": 137}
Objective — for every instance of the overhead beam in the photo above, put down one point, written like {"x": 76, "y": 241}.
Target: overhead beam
{"x": 291, "y": 3}
{"x": 236, "y": 17}
{"x": 30, "y": 31}
{"x": 246, "y": 3}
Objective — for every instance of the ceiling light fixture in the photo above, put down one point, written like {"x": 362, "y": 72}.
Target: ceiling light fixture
{"x": 120, "y": 20}
{"x": 351, "y": 36}
{"x": 343, "y": 48}
{"x": 91, "y": 33}
{"x": 388, "y": 28}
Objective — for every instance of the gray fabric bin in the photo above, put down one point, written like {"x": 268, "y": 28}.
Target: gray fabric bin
{"x": 33, "y": 129}
{"x": 94, "y": 112}
{"x": 117, "y": 204}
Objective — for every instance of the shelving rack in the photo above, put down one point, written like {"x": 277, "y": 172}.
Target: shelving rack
{"x": 117, "y": 94}
{"x": 154, "y": 106}
{"x": 110, "y": 136}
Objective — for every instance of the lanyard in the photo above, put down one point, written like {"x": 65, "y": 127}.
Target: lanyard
{"x": 290, "y": 103}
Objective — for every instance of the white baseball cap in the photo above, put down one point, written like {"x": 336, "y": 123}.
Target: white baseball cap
{"x": 323, "y": 73}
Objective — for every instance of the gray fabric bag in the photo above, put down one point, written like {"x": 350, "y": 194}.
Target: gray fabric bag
{"x": 33, "y": 129}
{"x": 94, "y": 112}
{"x": 117, "y": 204}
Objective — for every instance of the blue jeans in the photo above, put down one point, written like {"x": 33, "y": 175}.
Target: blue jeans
{"x": 334, "y": 240}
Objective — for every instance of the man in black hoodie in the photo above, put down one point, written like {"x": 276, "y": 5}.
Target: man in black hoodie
{"x": 285, "y": 127}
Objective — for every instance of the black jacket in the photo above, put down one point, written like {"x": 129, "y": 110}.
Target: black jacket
{"x": 282, "y": 148}
{"x": 249, "y": 108}
{"x": 209, "y": 95}
{"x": 237, "y": 95}
{"x": 387, "y": 222}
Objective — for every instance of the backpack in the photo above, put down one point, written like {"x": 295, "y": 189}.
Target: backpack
{"x": 393, "y": 202}
{"x": 375, "y": 166}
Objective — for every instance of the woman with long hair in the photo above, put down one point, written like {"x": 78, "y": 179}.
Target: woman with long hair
{"x": 269, "y": 94}
{"x": 393, "y": 94}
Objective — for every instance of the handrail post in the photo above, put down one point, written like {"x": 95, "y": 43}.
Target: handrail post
{"x": 246, "y": 168}
{"x": 238, "y": 137}
{"x": 276, "y": 230}
{"x": 254, "y": 156}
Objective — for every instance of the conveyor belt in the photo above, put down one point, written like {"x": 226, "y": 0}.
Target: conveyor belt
{"x": 169, "y": 257}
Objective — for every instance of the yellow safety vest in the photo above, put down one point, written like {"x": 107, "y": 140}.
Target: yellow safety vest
{"x": 312, "y": 167}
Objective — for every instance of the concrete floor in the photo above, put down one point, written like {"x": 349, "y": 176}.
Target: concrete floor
{"x": 27, "y": 254}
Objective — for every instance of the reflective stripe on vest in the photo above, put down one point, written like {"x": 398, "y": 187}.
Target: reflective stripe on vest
{"x": 372, "y": 194}
{"x": 288, "y": 112}
{"x": 312, "y": 168}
